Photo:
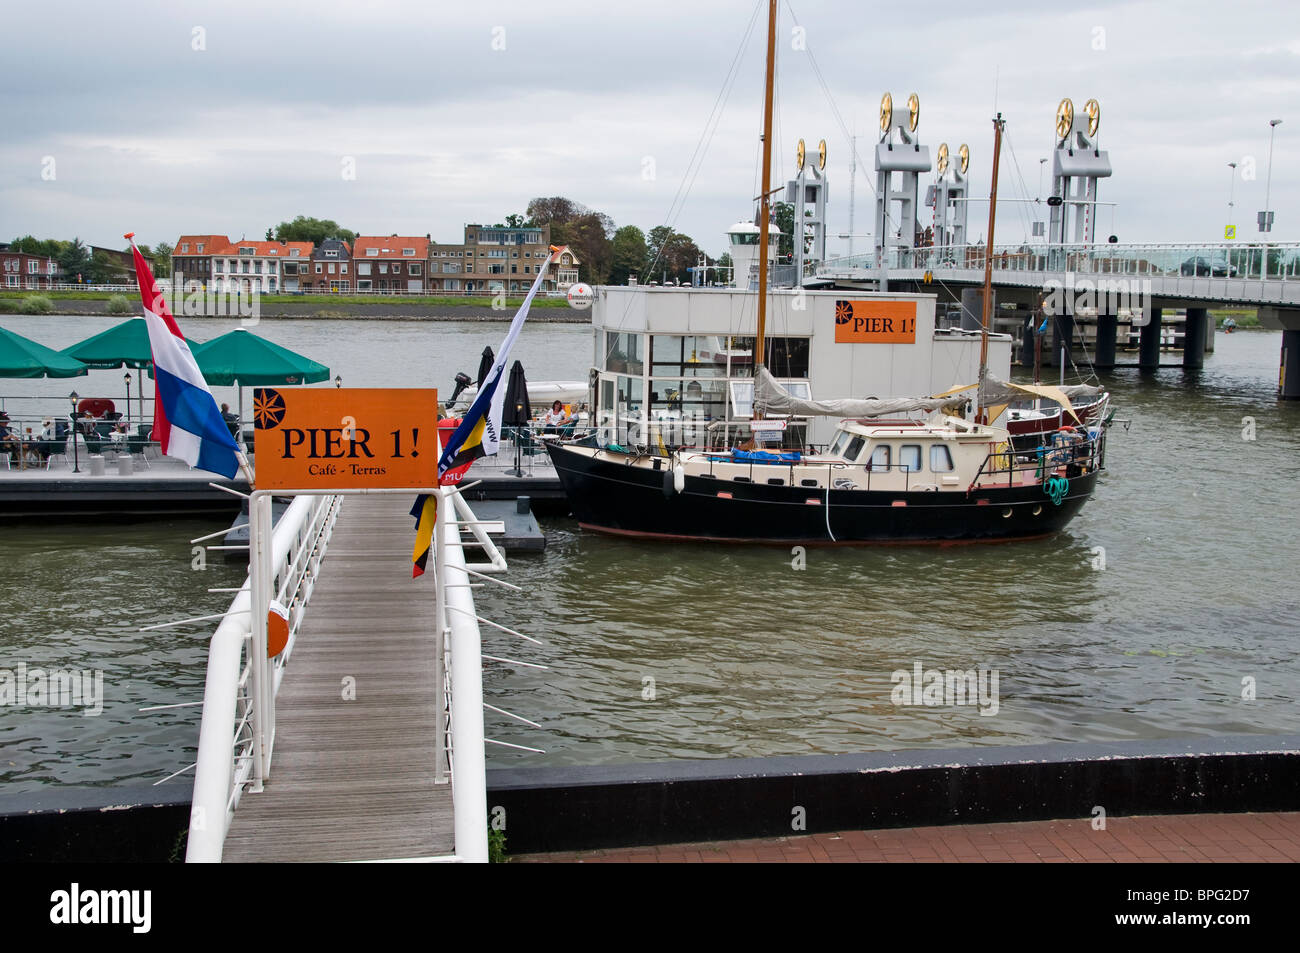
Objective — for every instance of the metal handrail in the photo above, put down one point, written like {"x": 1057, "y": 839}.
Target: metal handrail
{"x": 229, "y": 759}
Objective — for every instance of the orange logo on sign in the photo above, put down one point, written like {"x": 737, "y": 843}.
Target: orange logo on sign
{"x": 875, "y": 322}
{"x": 336, "y": 439}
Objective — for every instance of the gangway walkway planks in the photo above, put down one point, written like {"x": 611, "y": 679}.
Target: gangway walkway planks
{"x": 353, "y": 779}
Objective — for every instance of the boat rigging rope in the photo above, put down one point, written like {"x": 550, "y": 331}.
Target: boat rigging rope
{"x": 1056, "y": 488}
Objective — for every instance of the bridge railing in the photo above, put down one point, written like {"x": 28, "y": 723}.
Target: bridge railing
{"x": 1197, "y": 260}
{"x": 230, "y": 758}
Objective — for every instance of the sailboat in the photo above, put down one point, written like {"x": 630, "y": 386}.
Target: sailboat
{"x": 885, "y": 477}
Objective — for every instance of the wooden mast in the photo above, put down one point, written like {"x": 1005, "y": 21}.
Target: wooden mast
{"x": 988, "y": 275}
{"x": 765, "y": 199}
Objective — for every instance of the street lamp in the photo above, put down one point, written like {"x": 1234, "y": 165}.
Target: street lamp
{"x": 76, "y": 461}
{"x": 338, "y": 380}
{"x": 1232, "y": 186}
{"x": 1266, "y": 216}
{"x": 126, "y": 378}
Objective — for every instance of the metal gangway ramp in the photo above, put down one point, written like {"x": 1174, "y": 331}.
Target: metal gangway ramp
{"x": 356, "y": 721}
{"x": 361, "y": 739}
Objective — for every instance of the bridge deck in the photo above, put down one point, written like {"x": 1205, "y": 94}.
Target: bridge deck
{"x": 353, "y": 780}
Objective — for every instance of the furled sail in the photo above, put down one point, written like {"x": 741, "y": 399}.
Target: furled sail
{"x": 771, "y": 398}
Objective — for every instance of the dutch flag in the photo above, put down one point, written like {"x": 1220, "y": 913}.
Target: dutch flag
{"x": 186, "y": 420}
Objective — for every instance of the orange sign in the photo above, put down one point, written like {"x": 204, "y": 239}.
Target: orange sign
{"x": 345, "y": 438}
{"x": 875, "y": 322}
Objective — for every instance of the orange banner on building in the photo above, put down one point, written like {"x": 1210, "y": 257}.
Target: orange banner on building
{"x": 310, "y": 438}
{"x": 875, "y": 322}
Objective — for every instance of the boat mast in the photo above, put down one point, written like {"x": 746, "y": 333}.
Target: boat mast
{"x": 988, "y": 274}
{"x": 765, "y": 199}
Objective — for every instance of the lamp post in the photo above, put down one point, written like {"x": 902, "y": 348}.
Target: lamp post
{"x": 1232, "y": 187}
{"x": 126, "y": 379}
{"x": 1266, "y": 216}
{"x": 338, "y": 380}
{"x": 76, "y": 461}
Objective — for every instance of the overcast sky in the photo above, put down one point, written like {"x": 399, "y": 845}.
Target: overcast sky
{"x": 169, "y": 117}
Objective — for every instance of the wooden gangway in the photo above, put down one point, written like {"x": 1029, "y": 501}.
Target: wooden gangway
{"x": 353, "y": 777}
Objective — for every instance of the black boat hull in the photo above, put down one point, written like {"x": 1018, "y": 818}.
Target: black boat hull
{"x": 609, "y": 496}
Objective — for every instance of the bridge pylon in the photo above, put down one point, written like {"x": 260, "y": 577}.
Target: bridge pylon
{"x": 1077, "y": 165}
{"x": 900, "y": 158}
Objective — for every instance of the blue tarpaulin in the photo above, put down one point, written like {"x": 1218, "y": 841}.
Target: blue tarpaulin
{"x": 763, "y": 456}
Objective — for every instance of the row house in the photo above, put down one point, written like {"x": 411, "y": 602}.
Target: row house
{"x": 390, "y": 265}
{"x": 192, "y": 257}
{"x": 328, "y": 272}
{"x": 33, "y": 272}
{"x": 264, "y": 267}
{"x": 496, "y": 258}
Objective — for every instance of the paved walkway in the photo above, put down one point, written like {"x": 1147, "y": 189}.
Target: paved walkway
{"x": 1204, "y": 838}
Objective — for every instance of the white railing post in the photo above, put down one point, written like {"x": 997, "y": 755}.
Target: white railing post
{"x": 214, "y": 771}
{"x": 468, "y": 776}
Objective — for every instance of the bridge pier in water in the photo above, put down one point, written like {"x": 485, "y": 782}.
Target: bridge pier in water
{"x": 1288, "y": 380}
{"x": 1194, "y": 337}
{"x": 1149, "y": 342}
{"x": 1107, "y": 328}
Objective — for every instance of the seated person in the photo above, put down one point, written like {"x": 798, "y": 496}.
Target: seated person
{"x": 10, "y": 442}
{"x": 231, "y": 419}
{"x": 555, "y": 418}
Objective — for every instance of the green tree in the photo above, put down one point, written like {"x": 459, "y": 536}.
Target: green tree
{"x": 304, "y": 229}
{"x": 74, "y": 261}
{"x": 102, "y": 269}
{"x": 627, "y": 254}
{"x": 725, "y": 266}
{"x": 519, "y": 221}
{"x": 783, "y": 218}
{"x": 669, "y": 255}
{"x": 162, "y": 259}
{"x": 45, "y": 247}
{"x": 587, "y": 232}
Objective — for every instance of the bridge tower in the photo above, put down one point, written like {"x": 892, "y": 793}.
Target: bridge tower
{"x": 807, "y": 192}
{"x": 900, "y": 158}
{"x": 948, "y": 196}
{"x": 1077, "y": 164}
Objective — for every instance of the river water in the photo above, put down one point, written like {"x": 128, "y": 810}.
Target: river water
{"x": 1167, "y": 608}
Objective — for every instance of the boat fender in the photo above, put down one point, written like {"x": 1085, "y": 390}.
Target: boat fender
{"x": 679, "y": 478}
{"x": 668, "y": 484}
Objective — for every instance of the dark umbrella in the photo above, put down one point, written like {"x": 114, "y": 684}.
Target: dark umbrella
{"x": 484, "y": 365}
{"x": 516, "y": 412}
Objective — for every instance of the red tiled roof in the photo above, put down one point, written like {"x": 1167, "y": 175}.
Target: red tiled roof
{"x": 210, "y": 244}
{"x": 221, "y": 245}
{"x": 390, "y": 247}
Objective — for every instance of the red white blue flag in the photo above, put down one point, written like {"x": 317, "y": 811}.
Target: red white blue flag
{"x": 186, "y": 420}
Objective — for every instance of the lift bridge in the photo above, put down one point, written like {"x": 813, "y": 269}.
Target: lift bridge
{"x": 1063, "y": 272}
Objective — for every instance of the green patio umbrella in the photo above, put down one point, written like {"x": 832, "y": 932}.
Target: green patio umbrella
{"x": 243, "y": 359}
{"x": 122, "y": 345}
{"x": 23, "y": 357}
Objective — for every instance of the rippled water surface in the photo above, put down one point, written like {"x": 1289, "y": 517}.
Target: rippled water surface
{"x": 661, "y": 651}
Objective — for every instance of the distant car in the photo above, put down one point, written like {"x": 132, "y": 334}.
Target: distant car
{"x": 1203, "y": 267}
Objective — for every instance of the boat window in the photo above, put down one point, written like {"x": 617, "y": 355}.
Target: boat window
{"x": 838, "y": 444}
{"x": 940, "y": 459}
{"x": 855, "y": 447}
{"x": 909, "y": 457}
{"x": 879, "y": 458}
